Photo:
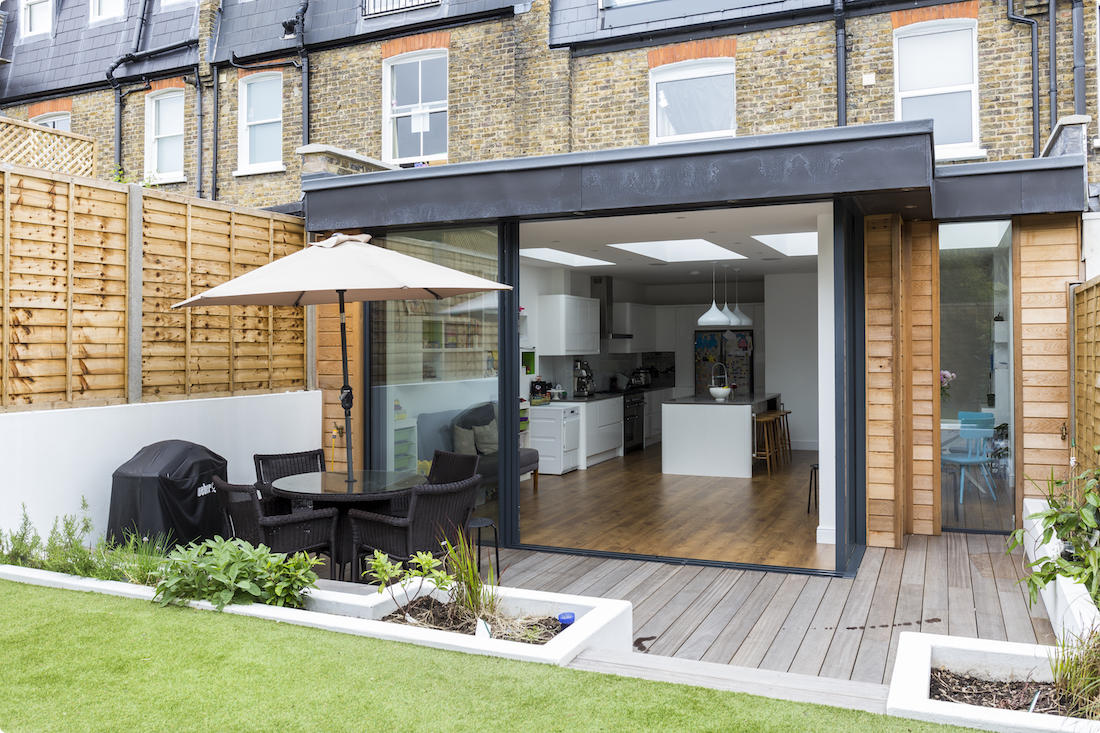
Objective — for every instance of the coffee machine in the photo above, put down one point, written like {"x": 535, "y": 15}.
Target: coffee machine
{"x": 583, "y": 384}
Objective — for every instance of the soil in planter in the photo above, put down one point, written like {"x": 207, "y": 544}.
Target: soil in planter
{"x": 433, "y": 614}
{"x": 1000, "y": 694}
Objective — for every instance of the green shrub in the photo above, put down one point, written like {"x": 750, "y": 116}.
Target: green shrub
{"x": 136, "y": 560}
{"x": 66, "y": 551}
{"x": 22, "y": 546}
{"x": 1076, "y": 671}
{"x": 233, "y": 571}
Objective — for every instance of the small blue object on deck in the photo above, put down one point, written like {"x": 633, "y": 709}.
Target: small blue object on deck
{"x": 566, "y": 619}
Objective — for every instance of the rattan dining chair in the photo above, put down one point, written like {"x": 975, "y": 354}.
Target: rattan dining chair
{"x": 273, "y": 466}
{"x": 437, "y": 512}
{"x": 312, "y": 530}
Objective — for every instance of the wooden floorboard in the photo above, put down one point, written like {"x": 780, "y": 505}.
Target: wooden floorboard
{"x": 776, "y": 622}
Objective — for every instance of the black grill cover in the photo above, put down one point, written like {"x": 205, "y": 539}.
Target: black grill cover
{"x": 166, "y": 489}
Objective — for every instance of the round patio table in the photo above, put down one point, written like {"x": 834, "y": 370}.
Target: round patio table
{"x": 372, "y": 491}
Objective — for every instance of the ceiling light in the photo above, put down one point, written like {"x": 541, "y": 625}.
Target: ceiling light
{"x": 713, "y": 317}
{"x": 680, "y": 250}
{"x": 973, "y": 234}
{"x": 549, "y": 254}
{"x": 793, "y": 244}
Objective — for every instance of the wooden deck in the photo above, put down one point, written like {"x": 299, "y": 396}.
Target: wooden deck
{"x": 846, "y": 628}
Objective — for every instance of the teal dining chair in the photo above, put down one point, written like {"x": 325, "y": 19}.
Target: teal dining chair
{"x": 979, "y": 455}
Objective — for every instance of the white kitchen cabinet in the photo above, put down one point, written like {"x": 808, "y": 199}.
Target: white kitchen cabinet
{"x": 602, "y": 422}
{"x": 637, "y": 319}
{"x": 664, "y": 323}
{"x": 569, "y": 325}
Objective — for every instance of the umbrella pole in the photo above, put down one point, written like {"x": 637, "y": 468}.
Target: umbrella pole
{"x": 346, "y": 396}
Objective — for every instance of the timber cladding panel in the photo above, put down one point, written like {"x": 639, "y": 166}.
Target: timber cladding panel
{"x": 886, "y": 388}
{"x": 924, "y": 339}
{"x": 1048, "y": 260}
{"x": 64, "y": 274}
{"x": 191, "y": 245}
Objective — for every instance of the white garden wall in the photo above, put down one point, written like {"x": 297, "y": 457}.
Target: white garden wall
{"x": 53, "y": 457}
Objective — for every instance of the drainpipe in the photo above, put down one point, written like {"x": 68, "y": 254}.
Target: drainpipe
{"x": 1078, "y": 57}
{"x": 1052, "y": 9}
{"x": 1034, "y": 26}
{"x": 143, "y": 19}
{"x": 120, "y": 96}
{"x": 198, "y": 114}
{"x": 214, "y": 146}
{"x": 841, "y": 64}
{"x": 300, "y": 36}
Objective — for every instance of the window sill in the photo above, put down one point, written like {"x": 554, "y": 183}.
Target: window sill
{"x": 154, "y": 180}
{"x": 951, "y": 155}
{"x": 430, "y": 159}
{"x": 256, "y": 170}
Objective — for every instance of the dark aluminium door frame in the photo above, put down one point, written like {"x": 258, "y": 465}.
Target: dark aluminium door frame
{"x": 848, "y": 293}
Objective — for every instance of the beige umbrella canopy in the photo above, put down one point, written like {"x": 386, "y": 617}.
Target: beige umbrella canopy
{"x": 340, "y": 269}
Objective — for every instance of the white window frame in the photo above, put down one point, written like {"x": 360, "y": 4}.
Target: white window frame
{"x": 691, "y": 69}
{"x": 49, "y": 117}
{"x": 25, "y": 17}
{"x": 955, "y": 151}
{"x": 244, "y": 166}
{"x": 93, "y": 17}
{"x": 387, "y": 113}
{"x": 151, "y": 174}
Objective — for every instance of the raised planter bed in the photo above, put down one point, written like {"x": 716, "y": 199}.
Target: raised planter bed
{"x": 601, "y": 623}
{"x": 1068, "y": 604}
{"x": 919, "y": 653}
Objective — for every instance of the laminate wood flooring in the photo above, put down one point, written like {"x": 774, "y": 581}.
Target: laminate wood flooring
{"x": 846, "y": 628}
{"x": 627, "y": 505}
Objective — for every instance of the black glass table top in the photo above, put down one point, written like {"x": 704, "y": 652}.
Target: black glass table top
{"x": 334, "y": 486}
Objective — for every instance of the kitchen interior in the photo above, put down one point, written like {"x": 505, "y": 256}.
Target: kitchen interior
{"x": 670, "y": 372}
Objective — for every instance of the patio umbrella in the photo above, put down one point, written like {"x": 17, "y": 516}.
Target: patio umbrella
{"x": 340, "y": 269}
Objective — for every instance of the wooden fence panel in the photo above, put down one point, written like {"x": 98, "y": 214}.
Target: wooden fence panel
{"x": 1086, "y": 332}
{"x": 64, "y": 260}
{"x": 35, "y": 146}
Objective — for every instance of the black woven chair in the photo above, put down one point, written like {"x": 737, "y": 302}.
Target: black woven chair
{"x": 273, "y": 466}
{"x": 436, "y": 512}
{"x": 312, "y": 530}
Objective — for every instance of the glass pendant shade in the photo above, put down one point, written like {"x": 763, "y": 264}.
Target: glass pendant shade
{"x": 713, "y": 317}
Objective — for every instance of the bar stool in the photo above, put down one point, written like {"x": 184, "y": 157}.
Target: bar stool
{"x": 480, "y": 523}
{"x": 783, "y": 428}
{"x": 767, "y": 439}
{"x": 812, "y": 489}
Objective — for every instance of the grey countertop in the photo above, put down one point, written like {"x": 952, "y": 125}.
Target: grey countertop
{"x": 741, "y": 401}
{"x": 612, "y": 395}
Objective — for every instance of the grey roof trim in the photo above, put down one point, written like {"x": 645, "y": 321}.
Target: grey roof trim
{"x": 648, "y": 152}
{"x": 886, "y": 167}
{"x": 1011, "y": 188}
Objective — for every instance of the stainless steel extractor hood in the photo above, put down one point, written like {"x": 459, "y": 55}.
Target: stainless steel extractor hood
{"x": 602, "y": 290}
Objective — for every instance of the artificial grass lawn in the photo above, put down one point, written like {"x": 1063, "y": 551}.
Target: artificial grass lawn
{"x": 73, "y": 661}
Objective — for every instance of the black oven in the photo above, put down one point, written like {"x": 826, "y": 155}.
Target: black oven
{"x": 633, "y": 421}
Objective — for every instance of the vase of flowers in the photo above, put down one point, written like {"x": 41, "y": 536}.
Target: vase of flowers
{"x": 946, "y": 378}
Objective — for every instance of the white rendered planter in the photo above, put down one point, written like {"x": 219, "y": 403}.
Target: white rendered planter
{"x": 600, "y": 623}
{"x": 919, "y": 653}
{"x": 1069, "y": 606}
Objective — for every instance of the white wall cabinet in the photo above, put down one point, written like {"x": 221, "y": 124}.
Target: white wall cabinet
{"x": 568, "y": 325}
{"x": 638, "y": 319}
{"x": 665, "y": 325}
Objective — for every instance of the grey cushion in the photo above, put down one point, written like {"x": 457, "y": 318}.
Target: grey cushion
{"x": 528, "y": 460}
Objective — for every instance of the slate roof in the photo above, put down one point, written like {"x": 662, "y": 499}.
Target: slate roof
{"x": 252, "y": 28}
{"x": 78, "y": 53}
{"x": 575, "y": 22}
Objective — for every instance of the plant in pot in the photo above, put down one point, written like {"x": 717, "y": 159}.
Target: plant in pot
{"x": 1071, "y": 516}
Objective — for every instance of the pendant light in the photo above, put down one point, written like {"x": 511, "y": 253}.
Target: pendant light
{"x": 742, "y": 320}
{"x": 713, "y": 317}
{"x": 733, "y": 319}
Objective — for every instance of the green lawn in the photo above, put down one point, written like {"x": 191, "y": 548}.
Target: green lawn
{"x": 79, "y": 661}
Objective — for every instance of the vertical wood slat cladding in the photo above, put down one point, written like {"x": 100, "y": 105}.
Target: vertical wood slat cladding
{"x": 330, "y": 378}
{"x": 886, "y": 390}
{"x": 64, "y": 273}
{"x": 924, "y": 345}
{"x": 1086, "y": 334}
{"x": 1049, "y": 260}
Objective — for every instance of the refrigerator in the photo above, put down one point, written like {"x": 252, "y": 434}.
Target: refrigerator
{"x": 733, "y": 348}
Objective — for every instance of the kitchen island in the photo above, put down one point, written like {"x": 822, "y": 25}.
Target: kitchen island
{"x": 703, "y": 437}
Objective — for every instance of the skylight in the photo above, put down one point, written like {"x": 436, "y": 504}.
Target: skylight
{"x": 792, "y": 244}
{"x": 557, "y": 256}
{"x": 680, "y": 250}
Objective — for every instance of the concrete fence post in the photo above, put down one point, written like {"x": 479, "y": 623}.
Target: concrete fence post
{"x": 134, "y": 279}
